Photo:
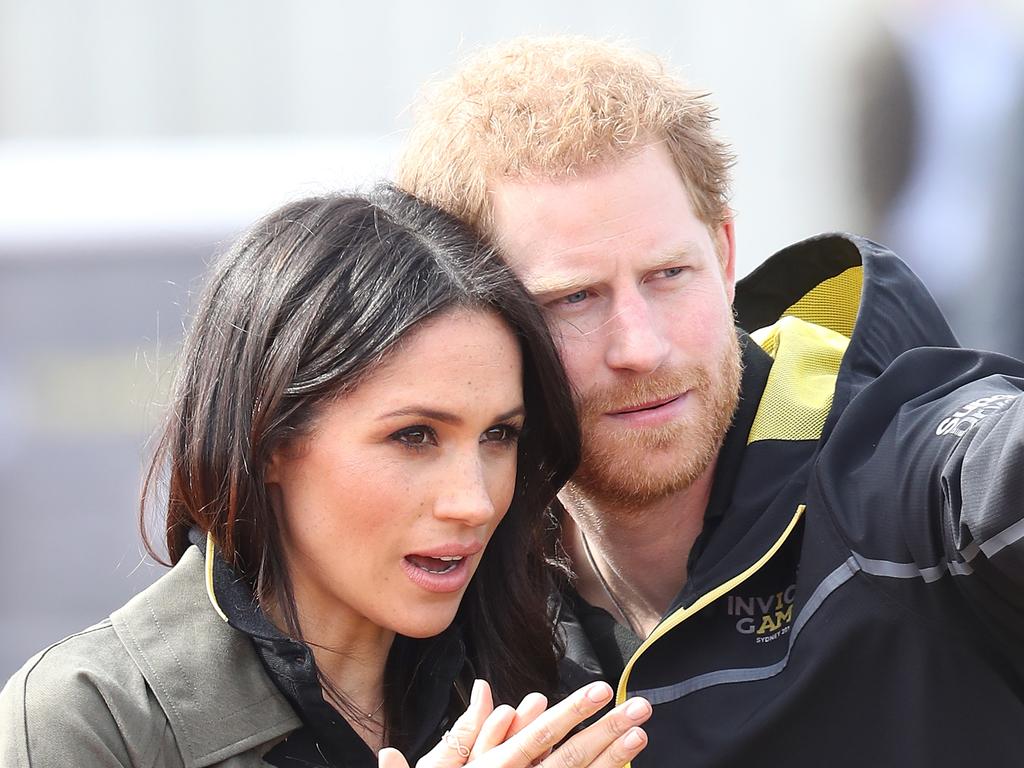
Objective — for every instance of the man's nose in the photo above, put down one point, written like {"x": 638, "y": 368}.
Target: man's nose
{"x": 635, "y": 342}
{"x": 464, "y": 497}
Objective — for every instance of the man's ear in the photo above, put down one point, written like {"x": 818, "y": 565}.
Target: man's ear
{"x": 725, "y": 242}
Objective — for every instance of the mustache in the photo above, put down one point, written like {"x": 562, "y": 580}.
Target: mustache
{"x": 639, "y": 391}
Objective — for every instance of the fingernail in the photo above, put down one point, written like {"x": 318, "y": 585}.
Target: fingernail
{"x": 633, "y": 739}
{"x": 637, "y": 708}
{"x": 476, "y": 693}
{"x": 599, "y": 692}
{"x": 533, "y": 700}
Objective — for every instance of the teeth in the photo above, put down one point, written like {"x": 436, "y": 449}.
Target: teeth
{"x": 447, "y": 568}
{"x": 440, "y": 564}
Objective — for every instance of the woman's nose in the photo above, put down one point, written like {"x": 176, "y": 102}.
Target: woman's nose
{"x": 464, "y": 496}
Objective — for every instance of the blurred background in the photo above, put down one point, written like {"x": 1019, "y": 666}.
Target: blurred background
{"x": 137, "y": 138}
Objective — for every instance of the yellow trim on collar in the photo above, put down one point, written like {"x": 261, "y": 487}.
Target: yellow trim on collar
{"x": 702, "y": 602}
{"x": 210, "y": 545}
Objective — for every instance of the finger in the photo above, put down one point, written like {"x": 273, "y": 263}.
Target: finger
{"x": 622, "y": 750}
{"x": 493, "y": 732}
{"x": 548, "y": 729}
{"x": 529, "y": 709}
{"x": 604, "y": 741}
{"x": 391, "y": 758}
{"x": 454, "y": 749}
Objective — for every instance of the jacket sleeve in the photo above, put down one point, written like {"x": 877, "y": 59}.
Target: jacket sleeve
{"x": 64, "y": 708}
{"x": 983, "y": 504}
{"x": 924, "y": 477}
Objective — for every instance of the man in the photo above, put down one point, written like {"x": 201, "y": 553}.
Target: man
{"x": 804, "y": 545}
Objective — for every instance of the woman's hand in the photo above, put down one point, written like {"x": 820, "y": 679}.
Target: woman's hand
{"x": 502, "y": 737}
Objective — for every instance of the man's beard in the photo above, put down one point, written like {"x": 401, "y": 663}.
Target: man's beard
{"x": 626, "y": 467}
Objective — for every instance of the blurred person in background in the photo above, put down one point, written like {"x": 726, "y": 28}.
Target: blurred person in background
{"x": 1007, "y": 274}
{"x": 940, "y": 128}
{"x": 366, "y": 399}
{"x": 796, "y": 527}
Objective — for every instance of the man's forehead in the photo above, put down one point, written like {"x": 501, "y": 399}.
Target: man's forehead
{"x": 566, "y": 233}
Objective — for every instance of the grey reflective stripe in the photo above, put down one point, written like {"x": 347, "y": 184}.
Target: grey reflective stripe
{"x": 989, "y": 547}
{"x": 970, "y": 551}
{"x": 893, "y": 570}
{"x": 1011, "y": 535}
{"x": 961, "y": 569}
{"x": 830, "y": 584}
{"x": 667, "y": 693}
{"x": 838, "y": 577}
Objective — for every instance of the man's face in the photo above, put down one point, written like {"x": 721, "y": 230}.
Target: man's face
{"x": 638, "y": 296}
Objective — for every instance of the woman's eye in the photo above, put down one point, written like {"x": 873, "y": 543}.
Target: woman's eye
{"x": 415, "y": 436}
{"x": 502, "y": 433}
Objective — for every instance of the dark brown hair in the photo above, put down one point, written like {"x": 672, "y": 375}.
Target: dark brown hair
{"x": 297, "y": 311}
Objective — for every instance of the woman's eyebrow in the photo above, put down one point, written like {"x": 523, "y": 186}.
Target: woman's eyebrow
{"x": 445, "y": 417}
{"x": 517, "y": 411}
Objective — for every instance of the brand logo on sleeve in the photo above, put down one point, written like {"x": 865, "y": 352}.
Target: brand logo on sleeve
{"x": 968, "y": 416}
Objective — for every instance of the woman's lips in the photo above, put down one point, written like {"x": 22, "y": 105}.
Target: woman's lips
{"x": 434, "y": 564}
{"x": 441, "y": 569}
{"x": 454, "y": 578}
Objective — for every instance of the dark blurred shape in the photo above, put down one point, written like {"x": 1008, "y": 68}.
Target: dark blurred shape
{"x": 941, "y": 125}
{"x": 1007, "y": 311}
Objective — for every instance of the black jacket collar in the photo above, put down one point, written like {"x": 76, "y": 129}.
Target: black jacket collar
{"x": 292, "y": 668}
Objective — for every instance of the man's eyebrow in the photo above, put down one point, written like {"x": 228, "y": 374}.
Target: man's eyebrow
{"x": 548, "y": 284}
{"x": 544, "y": 285}
{"x": 669, "y": 258}
{"x": 445, "y": 417}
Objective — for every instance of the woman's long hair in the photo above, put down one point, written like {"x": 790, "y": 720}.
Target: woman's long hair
{"x": 310, "y": 300}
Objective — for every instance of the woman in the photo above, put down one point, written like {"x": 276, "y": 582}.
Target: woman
{"x": 366, "y": 399}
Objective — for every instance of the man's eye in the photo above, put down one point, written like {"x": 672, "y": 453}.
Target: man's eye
{"x": 668, "y": 273}
{"x": 500, "y": 433}
{"x": 415, "y": 436}
{"x": 574, "y": 298}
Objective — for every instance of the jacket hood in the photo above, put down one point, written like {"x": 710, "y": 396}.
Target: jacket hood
{"x": 853, "y": 288}
{"x": 832, "y": 312}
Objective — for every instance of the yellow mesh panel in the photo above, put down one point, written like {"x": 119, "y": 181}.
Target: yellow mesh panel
{"x": 833, "y": 303}
{"x": 798, "y": 394}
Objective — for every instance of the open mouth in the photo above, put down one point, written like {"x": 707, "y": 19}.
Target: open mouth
{"x": 443, "y": 564}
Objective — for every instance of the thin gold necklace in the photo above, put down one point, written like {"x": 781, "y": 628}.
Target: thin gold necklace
{"x": 362, "y": 715}
{"x": 627, "y": 620}
{"x": 369, "y": 715}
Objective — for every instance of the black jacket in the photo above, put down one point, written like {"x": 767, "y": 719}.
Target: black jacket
{"x": 857, "y": 594}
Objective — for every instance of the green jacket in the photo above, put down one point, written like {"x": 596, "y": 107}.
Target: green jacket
{"x": 163, "y": 682}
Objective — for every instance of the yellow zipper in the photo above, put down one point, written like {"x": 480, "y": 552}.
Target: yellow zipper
{"x": 707, "y": 598}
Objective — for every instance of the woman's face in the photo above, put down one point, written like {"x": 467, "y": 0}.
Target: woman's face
{"x": 388, "y": 503}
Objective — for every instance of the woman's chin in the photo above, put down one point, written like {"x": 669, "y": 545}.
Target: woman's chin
{"x": 426, "y": 621}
